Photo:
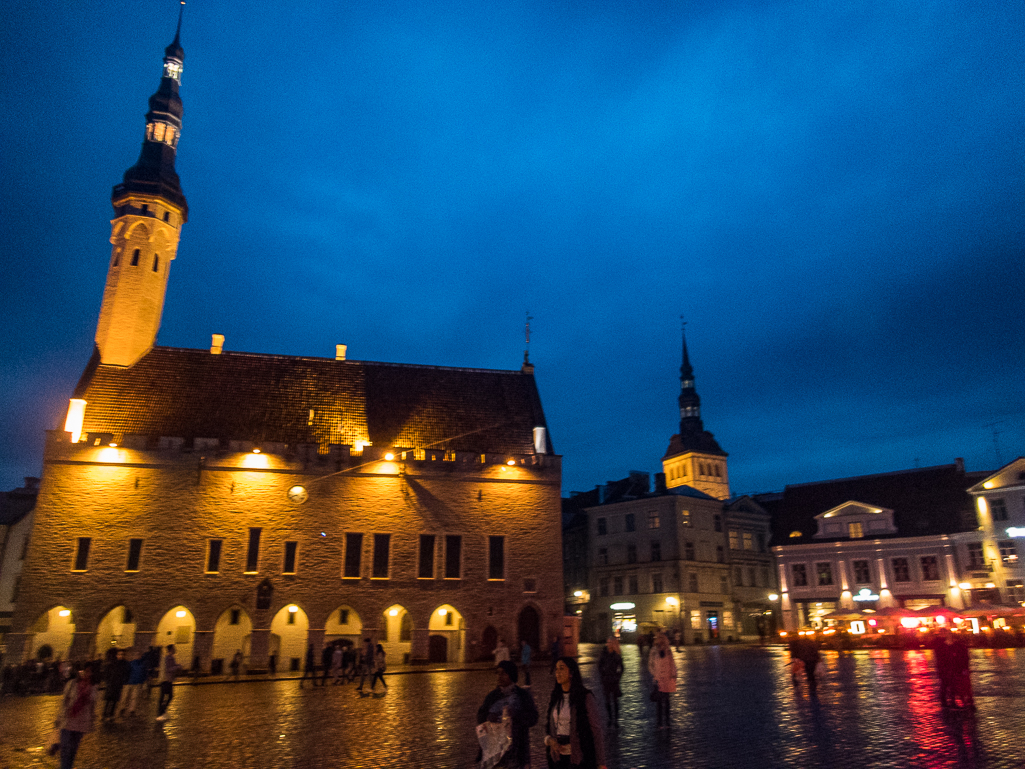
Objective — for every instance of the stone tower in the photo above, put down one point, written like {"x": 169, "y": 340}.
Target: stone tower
{"x": 149, "y": 210}
{"x": 694, "y": 458}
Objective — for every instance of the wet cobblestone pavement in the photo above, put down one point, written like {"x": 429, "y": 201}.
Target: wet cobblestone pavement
{"x": 736, "y": 707}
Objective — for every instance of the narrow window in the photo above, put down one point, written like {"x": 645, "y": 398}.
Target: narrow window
{"x": 496, "y": 557}
{"x": 998, "y": 507}
{"x": 656, "y": 582}
{"x": 253, "y": 552}
{"x": 382, "y": 546}
{"x": 799, "y": 574}
{"x": 213, "y": 556}
{"x": 453, "y": 556}
{"x": 134, "y": 554}
{"x": 602, "y": 527}
{"x": 617, "y": 586}
{"x": 724, "y": 586}
{"x": 734, "y": 540}
{"x": 717, "y": 522}
{"x": 901, "y": 572}
{"x": 930, "y": 568}
{"x": 692, "y": 580}
{"x": 156, "y": 262}
{"x": 603, "y": 586}
{"x": 630, "y": 525}
{"x": 653, "y": 521}
{"x": 656, "y": 551}
{"x": 749, "y": 541}
{"x": 631, "y": 553}
{"x": 82, "y": 553}
{"x": 135, "y": 258}
{"x": 236, "y": 617}
{"x": 862, "y": 574}
{"x": 720, "y": 554}
{"x": 603, "y": 556}
{"x": 343, "y": 616}
{"x": 426, "y": 557}
{"x": 353, "y": 555}
{"x": 145, "y": 208}
{"x": 632, "y": 584}
{"x": 167, "y": 216}
{"x": 529, "y": 585}
{"x": 825, "y": 573}
{"x": 291, "y": 548}
{"x": 117, "y": 257}
{"x": 688, "y": 551}
{"x": 685, "y": 518}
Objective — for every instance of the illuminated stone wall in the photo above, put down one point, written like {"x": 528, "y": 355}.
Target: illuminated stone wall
{"x": 177, "y": 500}
{"x": 705, "y": 472}
{"x": 133, "y": 297}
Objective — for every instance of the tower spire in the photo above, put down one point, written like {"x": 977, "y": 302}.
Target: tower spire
{"x": 527, "y": 367}
{"x": 149, "y": 210}
{"x": 690, "y": 402}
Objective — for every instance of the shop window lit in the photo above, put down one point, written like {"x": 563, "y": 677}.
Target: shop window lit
{"x": 824, "y": 571}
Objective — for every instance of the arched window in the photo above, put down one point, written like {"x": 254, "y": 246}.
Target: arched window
{"x": 156, "y": 262}
{"x": 117, "y": 257}
{"x": 135, "y": 258}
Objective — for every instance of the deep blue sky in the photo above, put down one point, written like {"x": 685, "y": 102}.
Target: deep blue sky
{"x": 832, "y": 195}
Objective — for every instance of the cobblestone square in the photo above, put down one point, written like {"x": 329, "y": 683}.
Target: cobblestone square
{"x": 736, "y": 707}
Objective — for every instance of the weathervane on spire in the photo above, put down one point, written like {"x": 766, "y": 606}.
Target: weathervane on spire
{"x": 526, "y": 351}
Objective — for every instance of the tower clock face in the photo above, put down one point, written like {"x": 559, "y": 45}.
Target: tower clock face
{"x": 298, "y": 494}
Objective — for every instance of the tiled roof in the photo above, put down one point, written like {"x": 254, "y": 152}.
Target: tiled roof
{"x": 274, "y": 398}
{"x": 702, "y": 442}
{"x": 928, "y": 500}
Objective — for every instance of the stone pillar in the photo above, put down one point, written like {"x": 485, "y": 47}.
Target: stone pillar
{"x": 419, "y": 651}
{"x": 143, "y": 640}
{"x": 18, "y": 646}
{"x": 259, "y": 650}
{"x": 202, "y": 648}
{"x": 314, "y": 636}
{"x": 82, "y": 646}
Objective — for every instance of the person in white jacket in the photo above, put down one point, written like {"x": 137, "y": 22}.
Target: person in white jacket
{"x": 662, "y": 667}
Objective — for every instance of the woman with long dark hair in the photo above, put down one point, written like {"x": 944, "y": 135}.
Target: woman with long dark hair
{"x": 575, "y": 738}
{"x": 76, "y": 716}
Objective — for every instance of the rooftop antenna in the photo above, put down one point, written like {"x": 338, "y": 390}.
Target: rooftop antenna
{"x": 996, "y": 441}
{"x": 178, "y": 30}
{"x": 526, "y": 350}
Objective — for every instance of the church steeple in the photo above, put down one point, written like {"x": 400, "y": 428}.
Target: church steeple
{"x": 690, "y": 402}
{"x": 694, "y": 458}
{"x": 149, "y": 210}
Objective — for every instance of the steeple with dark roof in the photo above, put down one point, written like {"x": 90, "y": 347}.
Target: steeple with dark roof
{"x": 153, "y": 173}
{"x": 694, "y": 458}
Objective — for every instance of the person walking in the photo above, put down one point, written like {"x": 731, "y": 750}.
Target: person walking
{"x": 366, "y": 663}
{"x": 137, "y": 672}
{"x": 807, "y": 651}
{"x": 509, "y": 698}
{"x": 610, "y": 668}
{"x": 575, "y": 738}
{"x": 336, "y": 664}
{"x": 169, "y": 668}
{"x": 236, "y": 665}
{"x": 76, "y": 715}
{"x": 525, "y": 653}
{"x": 501, "y": 651}
{"x": 326, "y": 655}
{"x": 379, "y": 666}
{"x": 952, "y": 667}
{"x": 309, "y": 667}
{"x": 118, "y": 671}
{"x": 662, "y": 667}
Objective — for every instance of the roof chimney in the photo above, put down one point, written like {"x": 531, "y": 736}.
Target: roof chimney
{"x": 959, "y": 462}
{"x": 340, "y": 351}
{"x": 217, "y": 344}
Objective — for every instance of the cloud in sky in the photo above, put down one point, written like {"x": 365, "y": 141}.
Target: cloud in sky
{"x": 832, "y": 195}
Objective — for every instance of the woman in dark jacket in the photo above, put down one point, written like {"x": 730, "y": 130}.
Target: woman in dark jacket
{"x": 610, "y": 668}
{"x": 575, "y": 739}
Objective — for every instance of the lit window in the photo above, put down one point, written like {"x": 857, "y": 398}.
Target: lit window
{"x": 426, "y": 569}
{"x": 82, "y": 546}
{"x": 1008, "y": 551}
{"x": 795, "y": 534}
{"x": 653, "y": 520}
{"x": 825, "y": 573}
{"x": 253, "y": 552}
{"x": 382, "y": 548}
{"x": 213, "y": 556}
{"x": 854, "y": 530}
{"x": 685, "y": 518}
{"x": 134, "y": 554}
{"x": 291, "y": 549}
{"x": 496, "y": 557}
{"x": 749, "y": 541}
{"x": 353, "y": 555}
{"x": 734, "y": 540}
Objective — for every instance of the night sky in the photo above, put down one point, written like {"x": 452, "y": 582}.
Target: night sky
{"x": 833, "y": 197}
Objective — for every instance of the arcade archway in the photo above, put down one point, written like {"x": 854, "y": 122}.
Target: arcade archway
{"x": 344, "y": 624}
{"x": 288, "y": 633}
{"x": 232, "y": 634}
{"x": 178, "y": 627}
{"x": 54, "y": 630}
{"x": 397, "y": 638}
{"x": 115, "y": 631}
{"x": 447, "y": 635}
